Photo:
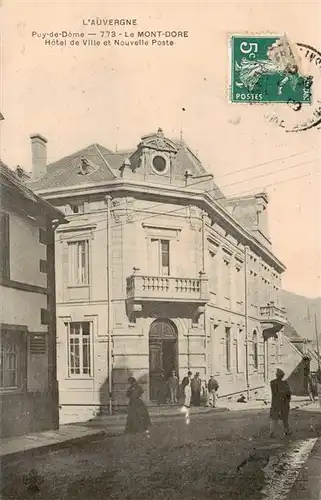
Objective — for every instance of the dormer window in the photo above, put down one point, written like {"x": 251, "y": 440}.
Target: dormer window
{"x": 84, "y": 166}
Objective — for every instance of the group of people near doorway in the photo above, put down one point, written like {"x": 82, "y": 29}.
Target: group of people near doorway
{"x": 191, "y": 388}
{"x": 138, "y": 419}
{"x": 171, "y": 391}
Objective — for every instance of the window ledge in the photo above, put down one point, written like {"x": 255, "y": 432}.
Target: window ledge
{"x": 78, "y": 286}
{"x": 80, "y": 377}
{"x": 11, "y": 390}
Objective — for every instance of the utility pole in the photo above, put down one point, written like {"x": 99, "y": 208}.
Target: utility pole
{"x": 317, "y": 339}
{"x": 246, "y": 318}
{"x": 109, "y": 332}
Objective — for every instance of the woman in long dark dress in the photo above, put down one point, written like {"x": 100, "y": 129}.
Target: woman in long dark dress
{"x": 138, "y": 419}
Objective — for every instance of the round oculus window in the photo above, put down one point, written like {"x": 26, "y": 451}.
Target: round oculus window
{"x": 159, "y": 164}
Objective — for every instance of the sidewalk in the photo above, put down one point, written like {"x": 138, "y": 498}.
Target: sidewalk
{"x": 75, "y": 433}
{"x": 254, "y": 404}
{"x": 115, "y": 424}
{"x": 47, "y": 440}
{"x": 313, "y": 406}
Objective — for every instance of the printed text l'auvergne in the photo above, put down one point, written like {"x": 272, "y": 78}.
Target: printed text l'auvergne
{"x": 104, "y": 21}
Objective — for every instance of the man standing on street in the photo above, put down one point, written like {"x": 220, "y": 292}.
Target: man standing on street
{"x": 319, "y": 387}
{"x": 310, "y": 387}
{"x": 173, "y": 386}
{"x": 212, "y": 387}
{"x": 187, "y": 389}
{"x": 280, "y": 405}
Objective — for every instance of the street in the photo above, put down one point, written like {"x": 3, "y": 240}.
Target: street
{"x": 226, "y": 455}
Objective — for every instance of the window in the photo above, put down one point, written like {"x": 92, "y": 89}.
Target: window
{"x": 160, "y": 257}
{"x": 78, "y": 262}
{"x": 83, "y": 166}
{"x": 239, "y": 285}
{"x": 43, "y": 236}
{"x": 43, "y": 266}
{"x": 228, "y": 348}
{"x": 9, "y": 361}
{"x": 213, "y": 271}
{"x": 241, "y": 350}
{"x": 77, "y": 208}
{"x": 159, "y": 164}
{"x": 226, "y": 278}
{"x": 255, "y": 351}
{"x": 79, "y": 349}
{"x": 255, "y": 289}
{"x": 236, "y": 354}
{"x": 4, "y": 246}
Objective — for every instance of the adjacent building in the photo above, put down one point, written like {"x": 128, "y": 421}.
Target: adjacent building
{"x": 28, "y": 382}
{"x": 157, "y": 270}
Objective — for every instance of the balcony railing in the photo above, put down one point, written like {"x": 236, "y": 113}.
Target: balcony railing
{"x": 167, "y": 288}
{"x": 273, "y": 314}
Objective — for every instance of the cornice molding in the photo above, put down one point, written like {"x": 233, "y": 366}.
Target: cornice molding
{"x": 166, "y": 191}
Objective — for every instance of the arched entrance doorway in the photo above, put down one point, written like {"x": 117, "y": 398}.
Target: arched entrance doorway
{"x": 163, "y": 353}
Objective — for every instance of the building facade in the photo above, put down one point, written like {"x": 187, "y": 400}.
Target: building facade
{"x": 28, "y": 382}
{"x": 158, "y": 270}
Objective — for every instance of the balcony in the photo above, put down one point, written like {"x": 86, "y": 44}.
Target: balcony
{"x": 142, "y": 288}
{"x": 273, "y": 318}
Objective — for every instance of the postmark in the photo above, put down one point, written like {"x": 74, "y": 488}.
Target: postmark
{"x": 294, "y": 116}
{"x": 266, "y": 69}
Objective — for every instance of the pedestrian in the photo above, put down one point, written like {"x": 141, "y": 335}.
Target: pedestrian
{"x": 186, "y": 389}
{"x": 173, "y": 386}
{"x": 212, "y": 387}
{"x": 138, "y": 419}
{"x": 161, "y": 388}
{"x": 310, "y": 387}
{"x": 280, "y": 405}
{"x": 196, "y": 389}
{"x": 318, "y": 377}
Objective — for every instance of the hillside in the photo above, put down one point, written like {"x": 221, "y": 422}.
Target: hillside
{"x": 301, "y": 314}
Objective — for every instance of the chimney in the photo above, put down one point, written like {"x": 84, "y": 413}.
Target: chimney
{"x": 39, "y": 155}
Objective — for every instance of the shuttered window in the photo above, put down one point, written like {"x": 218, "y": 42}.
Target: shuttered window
{"x": 37, "y": 344}
{"x": 228, "y": 348}
{"x": 4, "y": 246}
{"x": 78, "y": 259}
{"x": 255, "y": 351}
{"x": 160, "y": 258}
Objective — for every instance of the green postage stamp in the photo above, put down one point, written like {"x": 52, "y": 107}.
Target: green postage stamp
{"x": 266, "y": 69}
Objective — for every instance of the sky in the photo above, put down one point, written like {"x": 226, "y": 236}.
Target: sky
{"x": 78, "y": 95}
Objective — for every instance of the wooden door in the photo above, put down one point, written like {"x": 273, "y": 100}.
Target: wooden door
{"x": 155, "y": 368}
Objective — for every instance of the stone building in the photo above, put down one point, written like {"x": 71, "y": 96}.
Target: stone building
{"x": 28, "y": 382}
{"x": 158, "y": 270}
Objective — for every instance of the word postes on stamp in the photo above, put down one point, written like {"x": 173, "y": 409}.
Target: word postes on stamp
{"x": 266, "y": 69}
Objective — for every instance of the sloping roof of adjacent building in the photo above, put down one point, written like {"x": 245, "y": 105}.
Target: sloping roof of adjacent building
{"x": 65, "y": 172}
{"x": 9, "y": 179}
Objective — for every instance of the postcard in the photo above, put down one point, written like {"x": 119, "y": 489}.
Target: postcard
{"x": 160, "y": 247}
